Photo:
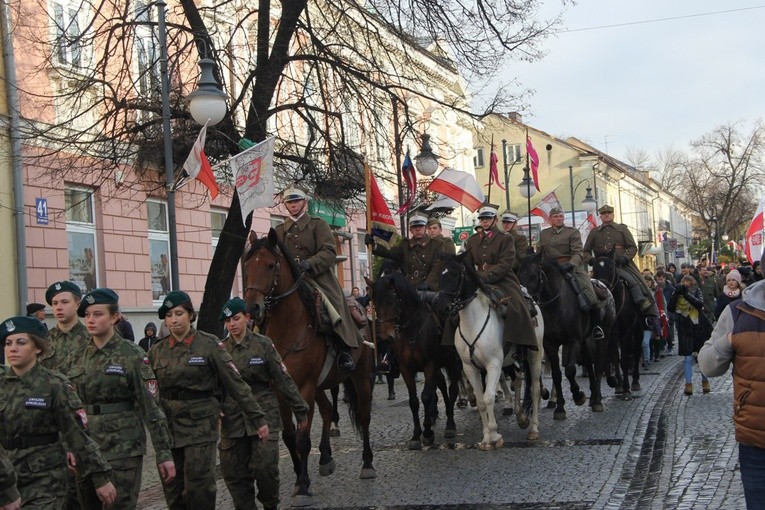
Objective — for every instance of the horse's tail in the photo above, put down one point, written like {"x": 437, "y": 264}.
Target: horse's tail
{"x": 353, "y": 404}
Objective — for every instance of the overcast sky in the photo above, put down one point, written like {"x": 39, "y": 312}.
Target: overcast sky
{"x": 648, "y": 85}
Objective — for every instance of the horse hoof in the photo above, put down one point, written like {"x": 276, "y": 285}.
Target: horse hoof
{"x": 450, "y": 433}
{"x": 533, "y": 436}
{"x": 508, "y": 411}
{"x": 334, "y": 432}
{"x": 302, "y": 501}
{"x": 427, "y": 441}
{"x": 461, "y": 403}
{"x": 328, "y": 468}
{"x": 618, "y": 391}
{"x": 626, "y": 396}
{"x": 635, "y": 387}
{"x": 415, "y": 445}
{"x": 611, "y": 381}
{"x": 551, "y": 405}
{"x": 523, "y": 423}
{"x": 559, "y": 415}
{"x": 597, "y": 408}
{"x": 368, "y": 473}
{"x": 497, "y": 445}
{"x": 580, "y": 399}
{"x": 545, "y": 394}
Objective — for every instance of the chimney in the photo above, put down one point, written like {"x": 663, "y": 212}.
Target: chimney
{"x": 516, "y": 116}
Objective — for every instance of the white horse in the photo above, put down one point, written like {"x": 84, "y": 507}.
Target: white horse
{"x": 478, "y": 340}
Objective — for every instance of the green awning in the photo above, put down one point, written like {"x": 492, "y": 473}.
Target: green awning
{"x": 329, "y": 213}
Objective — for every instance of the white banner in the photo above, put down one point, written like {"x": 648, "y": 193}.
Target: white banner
{"x": 254, "y": 176}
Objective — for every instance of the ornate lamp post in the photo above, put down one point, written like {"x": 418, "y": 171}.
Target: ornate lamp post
{"x": 426, "y": 162}
{"x": 527, "y": 190}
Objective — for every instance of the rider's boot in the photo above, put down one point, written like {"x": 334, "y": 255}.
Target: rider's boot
{"x": 584, "y": 304}
{"x": 344, "y": 359}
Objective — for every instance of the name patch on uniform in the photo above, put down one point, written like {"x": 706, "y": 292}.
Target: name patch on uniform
{"x": 115, "y": 370}
{"x": 197, "y": 360}
{"x": 37, "y": 402}
{"x": 256, "y": 361}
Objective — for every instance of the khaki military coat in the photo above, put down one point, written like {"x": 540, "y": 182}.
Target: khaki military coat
{"x": 310, "y": 238}
{"x": 418, "y": 259}
{"x": 63, "y": 347}
{"x": 564, "y": 245}
{"x": 521, "y": 245}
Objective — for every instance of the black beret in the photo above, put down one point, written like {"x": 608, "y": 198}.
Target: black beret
{"x": 64, "y": 286}
{"x": 22, "y": 325}
{"x": 97, "y": 297}
{"x": 232, "y": 307}
{"x": 172, "y": 300}
{"x": 34, "y": 307}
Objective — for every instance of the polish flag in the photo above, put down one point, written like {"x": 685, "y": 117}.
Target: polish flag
{"x": 753, "y": 242}
{"x": 460, "y": 186}
{"x": 198, "y": 167}
{"x": 533, "y": 162}
{"x": 545, "y": 205}
{"x": 591, "y": 223}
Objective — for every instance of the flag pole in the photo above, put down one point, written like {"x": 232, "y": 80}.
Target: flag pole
{"x": 528, "y": 187}
{"x": 370, "y": 248}
{"x": 491, "y": 177}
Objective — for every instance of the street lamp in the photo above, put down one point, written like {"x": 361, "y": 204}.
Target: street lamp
{"x": 527, "y": 190}
{"x": 205, "y": 104}
{"x": 426, "y": 162}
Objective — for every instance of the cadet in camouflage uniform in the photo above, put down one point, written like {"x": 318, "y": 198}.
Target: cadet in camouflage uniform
{"x": 118, "y": 387}
{"x": 39, "y": 408}
{"x": 509, "y": 223}
{"x": 194, "y": 370}
{"x": 9, "y": 494}
{"x": 564, "y": 245}
{"x": 309, "y": 242}
{"x": 417, "y": 256}
{"x": 244, "y": 458}
{"x": 435, "y": 232}
{"x": 69, "y": 335}
{"x": 617, "y": 237}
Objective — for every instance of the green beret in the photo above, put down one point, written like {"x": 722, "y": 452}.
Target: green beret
{"x": 606, "y": 209}
{"x": 22, "y": 324}
{"x": 97, "y": 297}
{"x": 172, "y": 300}
{"x": 232, "y": 307}
{"x": 64, "y": 286}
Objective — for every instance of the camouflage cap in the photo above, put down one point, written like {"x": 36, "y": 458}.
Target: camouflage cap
{"x": 556, "y": 210}
{"x": 172, "y": 300}
{"x": 21, "y": 324}
{"x": 232, "y": 307}
{"x": 97, "y": 297}
{"x": 606, "y": 209}
{"x": 63, "y": 286}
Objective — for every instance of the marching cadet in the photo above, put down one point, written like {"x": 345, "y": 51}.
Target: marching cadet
{"x": 309, "y": 242}
{"x": 69, "y": 335}
{"x": 9, "y": 494}
{"x": 118, "y": 387}
{"x": 37, "y": 406}
{"x": 244, "y": 458}
{"x": 193, "y": 370}
{"x": 509, "y": 224}
{"x": 435, "y": 230}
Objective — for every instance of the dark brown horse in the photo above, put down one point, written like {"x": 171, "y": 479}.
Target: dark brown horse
{"x": 283, "y": 306}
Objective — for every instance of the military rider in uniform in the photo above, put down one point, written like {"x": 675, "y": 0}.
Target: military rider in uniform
{"x": 616, "y": 238}
{"x": 309, "y": 242}
{"x": 564, "y": 245}
{"x": 435, "y": 232}
{"x": 509, "y": 224}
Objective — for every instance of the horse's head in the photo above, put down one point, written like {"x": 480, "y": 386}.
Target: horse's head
{"x": 536, "y": 272}
{"x": 604, "y": 269}
{"x": 267, "y": 272}
{"x": 457, "y": 283}
{"x": 393, "y": 297}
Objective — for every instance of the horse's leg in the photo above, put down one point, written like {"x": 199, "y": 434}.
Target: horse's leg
{"x": 288, "y": 436}
{"x": 534, "y": 360}
{"x": 450, "y": 396}
{"x": 326, "y": 462}
{"x": 301, "y": 442}
{"x": 638, "y": 347}
{"x": 517, "y": 383}
{"x": 414, "y": 405}
{"x": 625, "y": 363}
{"x": 473, "y": 376}
{"x": 507, "y": 409}
{"x": 493, "y": 373}
{"x": 428, "y": 403}
{"x": 552, "y": 356}
{"x": 570, "y": 357}
{"x": 360, "y": 407}
{"x": 334, "y": 428}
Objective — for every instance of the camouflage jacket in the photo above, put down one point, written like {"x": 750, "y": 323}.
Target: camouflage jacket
{"x": 62, "y": 346}
{"x": 43, "y": 402}
{"x": 262, "y": 369}
{"x": 119, "y": 388}
{"x": 192, "y": 377}
{"x": 418, "y": 259}
{"x": 8, "y": 491}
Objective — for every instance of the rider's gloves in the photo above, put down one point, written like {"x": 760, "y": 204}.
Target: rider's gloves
{"x": 304, "y": 266}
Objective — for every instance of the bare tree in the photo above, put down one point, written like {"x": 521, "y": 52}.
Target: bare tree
{"x": 330, "y": 76}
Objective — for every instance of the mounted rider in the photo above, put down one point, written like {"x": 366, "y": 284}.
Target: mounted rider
{"x": 615, "y": 239}
{"x": 434, "y": 231}
{"x": 492, "y": 252}
{"x": 309, "y": 242}
{"x": 564, "y": 245}
{"x": 509, "y": 225}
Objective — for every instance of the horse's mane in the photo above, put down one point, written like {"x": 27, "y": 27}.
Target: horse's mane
{"x": 406, "y": 292}
{"x": 541, "y": 259}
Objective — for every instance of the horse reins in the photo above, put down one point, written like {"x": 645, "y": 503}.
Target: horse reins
{"x": 458, "y": 304}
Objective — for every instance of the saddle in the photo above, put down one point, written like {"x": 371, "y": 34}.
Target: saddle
{"x": 326, "y": 313}
{"x": 600, "y": 289}
{"x": 358, "y": 315}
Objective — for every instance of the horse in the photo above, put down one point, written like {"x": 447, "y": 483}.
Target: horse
{"x": 282, "y": 304}
{"x": 478, "y": 341}
{"x": 409, "y": 323}
{"x": 625, "y": 344}
{"x": 569, "y": 327}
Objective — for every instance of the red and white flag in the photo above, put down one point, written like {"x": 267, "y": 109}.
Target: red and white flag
{"x": 410, "y": 178}
{"x": 545, "y": 205}
{"x": 533, "y": 162}
{"x": 493, "y": 170}
{"x": 253, "y": 171}
{"x": 753, "y": 241}
{"x": 198, "y": 167}
{"x": 591, "y": 223}
{"x": 460, "y": 186}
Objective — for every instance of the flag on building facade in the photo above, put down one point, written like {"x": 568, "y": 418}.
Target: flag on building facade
{"x": 591, "y": 223}
{"x": 410, "y": 178}
{"x": 253, "y": 171}
{"x": 460, "y": 186}
{"x": 545, "y": 205}
{"x": 493, "y": 170}
{"x": 753, "y": 241}
{"x": 533, "y": 162}
{"x": 380, "y": 222}
{"x": 198, "y": 167}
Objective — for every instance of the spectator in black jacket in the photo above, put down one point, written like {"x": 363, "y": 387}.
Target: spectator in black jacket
{"x": 125, "y": 329}
{"x": 150, "y": 336}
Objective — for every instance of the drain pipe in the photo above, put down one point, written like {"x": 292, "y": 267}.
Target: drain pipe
{"x": 18, "y": 172}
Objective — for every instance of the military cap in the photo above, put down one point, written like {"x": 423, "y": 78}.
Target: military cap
{"x": 606, "y": 209}
{"x": 556, "y": 210}
{"x": 232, "y": 307}
{"x": 487, "y": 211}
{"x": 509, "y": 216}
{"x": 172, "y": 300}
{"x": 22, "y": 324}
{"x": 64, "y": 286}
{"x": 97, "y": 297}
{"x": 418, "y": 220}
{"x": 434, "y": 221}
{"x": 34, "y": 308}
{"x": 292, "y": 194}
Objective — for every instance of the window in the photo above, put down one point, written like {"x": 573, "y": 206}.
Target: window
{"x": 217, "y": 219}
{"x": 81, "y": 236}
{"x": 68, "y": 43}
{"x": 159, "y": 249}
{"x": 363, "y": 256}
{"x": 513, "y": 153}
{"x": 478, "y": 159}
{"x": 146, "y": 52}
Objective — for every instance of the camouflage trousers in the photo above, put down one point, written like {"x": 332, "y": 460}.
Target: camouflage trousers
{"x": 41, "y": 476}
{"x": 125, "y": 476}
{"x": 245, "y": 461}
{"x": 194, "y": 485}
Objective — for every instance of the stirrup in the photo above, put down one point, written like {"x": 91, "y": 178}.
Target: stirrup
{"x": 345, "y": 362}
{"x": 597, "y": 333}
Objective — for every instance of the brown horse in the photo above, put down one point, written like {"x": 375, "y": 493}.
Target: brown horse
{"x": 283, "y": 307}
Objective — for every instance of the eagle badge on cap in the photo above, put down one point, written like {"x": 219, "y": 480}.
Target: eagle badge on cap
{"x": 168, "y": 303}
{"x": 10, "y": 326}
{"x": 227, "y": 312}
{"x": 90, "y": 299}
{"x": 57, "y": 286}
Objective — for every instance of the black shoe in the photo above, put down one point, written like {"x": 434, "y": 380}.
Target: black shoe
{"x": 391, "y": 395}
{"x": 345, "y": 363}
{"x": 597, "y": 333}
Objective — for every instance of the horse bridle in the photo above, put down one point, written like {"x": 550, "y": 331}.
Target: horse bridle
{"x": 395, "y": 319}
{"x": 543, "y": 279}
{"x": 269, "y": 300}
{"x": 458, "y": 304}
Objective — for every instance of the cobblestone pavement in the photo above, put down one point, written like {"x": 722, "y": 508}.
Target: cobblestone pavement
{"x": 659, "y": 450}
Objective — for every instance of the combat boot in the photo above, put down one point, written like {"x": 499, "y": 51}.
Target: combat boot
{"x": 705, "y": 388}
{"x": 688, "y": 389}
{"x": 344, "y": 359}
